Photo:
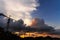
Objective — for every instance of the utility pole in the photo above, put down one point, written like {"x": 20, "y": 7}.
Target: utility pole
{"x": 8, "y": 22}
{"x": 1, "y": 14}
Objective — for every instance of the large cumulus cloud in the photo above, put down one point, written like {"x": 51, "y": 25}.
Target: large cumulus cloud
{"x": 20, "y": 9}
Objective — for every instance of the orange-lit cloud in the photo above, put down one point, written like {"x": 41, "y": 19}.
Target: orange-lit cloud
{"x": 36, "y": 22}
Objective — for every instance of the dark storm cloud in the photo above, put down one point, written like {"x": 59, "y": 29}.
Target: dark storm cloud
{"x": 57, "y": 32}
{"x": 40, "y": 26}
{"x": 3, "y": 21}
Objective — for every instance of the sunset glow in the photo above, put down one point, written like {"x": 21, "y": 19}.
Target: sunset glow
{"x": 36, "y": 34}
{"x": 27, "y": 22}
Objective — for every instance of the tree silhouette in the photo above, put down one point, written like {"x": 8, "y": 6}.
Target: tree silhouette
{"x": 21, "y": 21}
{"x": 19, "y": 25}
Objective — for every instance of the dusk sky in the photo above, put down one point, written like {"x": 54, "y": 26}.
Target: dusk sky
{"x": 49, "y": 10}
{"x": 39, "y": 17}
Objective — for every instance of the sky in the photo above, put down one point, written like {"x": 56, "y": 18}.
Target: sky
{"x": 18, "y": 9}
{"x": 49, "y": 10}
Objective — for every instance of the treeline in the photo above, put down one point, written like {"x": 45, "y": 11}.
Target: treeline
{"x": 42, "y": 38}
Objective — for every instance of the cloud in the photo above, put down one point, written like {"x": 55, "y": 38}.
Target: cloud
{"x": 20, "y": 9}
{"x": 2, "y": 6}
{"x": 39, "y": 24}
{"x": 57, "y": 32}
{"x": 3, "y": 21}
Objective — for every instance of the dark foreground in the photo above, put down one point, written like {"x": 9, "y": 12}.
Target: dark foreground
{"x": 41, "y": 38}
{"x": 6, "y": 35}
{"x": 9, "y": 36}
